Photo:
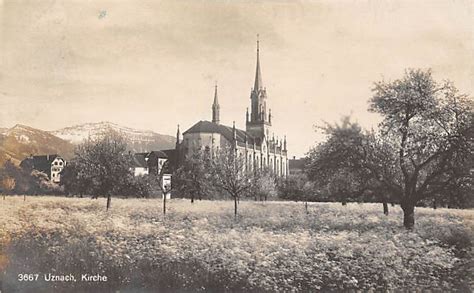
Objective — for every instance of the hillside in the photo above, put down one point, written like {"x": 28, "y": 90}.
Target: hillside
{"x": 138, "y": 140}
{"x": 20, "y": 141}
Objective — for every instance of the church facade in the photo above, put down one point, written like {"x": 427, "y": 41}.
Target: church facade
{"x": 256, "y": 145}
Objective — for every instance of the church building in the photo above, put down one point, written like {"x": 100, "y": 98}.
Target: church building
{"x": 257, "y": 144}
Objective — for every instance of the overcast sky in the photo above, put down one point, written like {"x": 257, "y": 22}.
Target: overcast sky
{"x": 153, "y": 64}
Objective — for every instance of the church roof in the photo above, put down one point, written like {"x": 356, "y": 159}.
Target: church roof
{"x": 226, "y": 131}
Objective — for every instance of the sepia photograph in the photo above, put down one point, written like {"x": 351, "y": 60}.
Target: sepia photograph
{"x": 236, "y": 146}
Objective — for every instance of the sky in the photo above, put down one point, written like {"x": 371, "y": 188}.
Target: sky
{"x": 153, "y": 64}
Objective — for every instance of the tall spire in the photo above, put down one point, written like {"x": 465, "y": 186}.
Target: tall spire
{"x": 215, "y": 107}
{"x": 258, "y": 75}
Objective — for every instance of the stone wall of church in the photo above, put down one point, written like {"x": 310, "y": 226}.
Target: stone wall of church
{"x": 260, "y": 158}
{"x": 201, "y": 141}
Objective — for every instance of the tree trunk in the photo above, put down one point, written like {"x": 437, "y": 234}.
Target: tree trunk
{"x": 385, "y": 208}
{"x": 192, "y": 198}
{"x": 306, "y": 206}
{"x": 24, "y": 197}
{"x": 235, "y": 207}
{"x": 344, "y": 203}
{"x": 108, "y": 201}
{"x": 434, "y": 204}
{"x": 392, "y": 204}
{"x": 408, "y": 216}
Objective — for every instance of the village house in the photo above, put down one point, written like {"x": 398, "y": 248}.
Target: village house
{"x": 51, "y": 165}
{"x": 153, "y": 164}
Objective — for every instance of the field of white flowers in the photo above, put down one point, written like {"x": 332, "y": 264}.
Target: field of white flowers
{"x": 272, "y": 246}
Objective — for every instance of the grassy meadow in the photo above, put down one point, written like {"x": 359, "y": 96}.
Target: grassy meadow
{"x": 273, "y": 246}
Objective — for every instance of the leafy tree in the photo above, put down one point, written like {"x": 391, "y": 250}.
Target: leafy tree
{"x": 423, "y": 148}
{"x": 101, "y": 167}
{"x": 428, "y": 129}
{"x": 337, "y": 166}
{"x": 73, "y": 183}
{"x": 25, "y": 181}
{"x": 230, "y": 175}
{"x": 43, "y": 184}
{"x": 193, "y": 178}
{"x": 7, "y": 183}
{"x": 292, "y": 187}
{"x": 263, "y": 186}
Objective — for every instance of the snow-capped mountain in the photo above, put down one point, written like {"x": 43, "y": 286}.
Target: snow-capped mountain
{"x": 20, "y": 141}
{"x": 138, "y": 140}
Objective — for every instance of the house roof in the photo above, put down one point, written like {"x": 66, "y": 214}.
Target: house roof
{"x": 172, "y": 155}
{"x": 140, "y": 160}
{"x": 159, "y": 154}
{"x": 40, "y": 163}
{"x": 296, "y": 164}
{"x": 172, "y": 159}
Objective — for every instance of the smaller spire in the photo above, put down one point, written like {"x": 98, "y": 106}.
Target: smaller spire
{"x": 215, "y": 107}
{"x": 216, "y": 102}
{"x": 284, "y": 144}
{"x": 178, "y": 134}
{"x": 234, "y": 134}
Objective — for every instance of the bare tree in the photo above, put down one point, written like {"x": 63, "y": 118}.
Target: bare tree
{"x": 230, "y": 174}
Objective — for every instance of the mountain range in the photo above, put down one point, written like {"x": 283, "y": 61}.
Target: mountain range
{"x": 20, "y": 141}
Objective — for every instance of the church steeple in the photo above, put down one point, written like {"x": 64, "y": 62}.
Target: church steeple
{"x": 258, "y": 74}
{"x": 258, "y": 121}
{"x": 215, "y": 108}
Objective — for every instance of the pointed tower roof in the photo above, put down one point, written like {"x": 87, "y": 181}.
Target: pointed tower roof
{"x": 178, "y": 134}
{"x": 258, "y": 74}
{"x": 215, "y": 108}
{"x": 216, "y": 101}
